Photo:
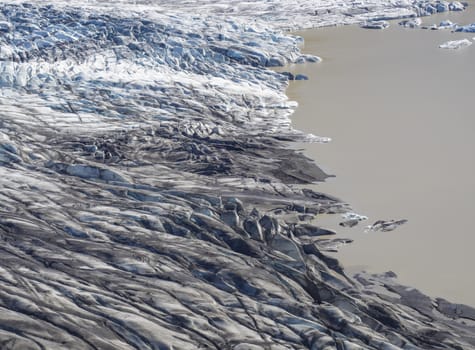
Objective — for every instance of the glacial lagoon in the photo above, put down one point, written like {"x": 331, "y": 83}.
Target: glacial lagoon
{"x": 399, "y": 110}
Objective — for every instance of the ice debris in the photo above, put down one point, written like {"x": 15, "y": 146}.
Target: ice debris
{"x": 351, "y": 219}
{"x": 287, "y": 15}
{"x": 455, "y": 44}
{"x": 470, "y": 28}
{"x": 375, "y": 25}
{"x": 447, "y": 24}
{"x": 411, "y": 23}
{"x": 385, "y": 225}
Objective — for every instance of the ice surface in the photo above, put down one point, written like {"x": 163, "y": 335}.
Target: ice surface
{"x": 375, "y": 25}
{"x": 292, "y": 14}
{"x": 351, "y": 219}
{"x": 447, "y": 24}
{"x": 455, "y": 44}
{"x": 385, "y": 225}
{"x": 470, "y": 28}
{"x": 411, "y": 23}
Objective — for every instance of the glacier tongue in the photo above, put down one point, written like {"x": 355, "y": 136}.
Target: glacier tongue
{"x": 148, "y": 196}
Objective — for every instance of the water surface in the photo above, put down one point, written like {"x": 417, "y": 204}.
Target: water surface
{"x": 400, "y": 112}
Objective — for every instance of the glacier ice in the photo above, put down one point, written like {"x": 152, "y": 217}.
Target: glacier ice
{"x": 375, "y": 25}
{"x": 470, "y": 28}
{"x": 411, "y": 23}
{"x": 446, "y": 24}
{"x": 455, "y": 44}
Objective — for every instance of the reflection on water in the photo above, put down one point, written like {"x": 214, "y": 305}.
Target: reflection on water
{"x": 400, "y": 112}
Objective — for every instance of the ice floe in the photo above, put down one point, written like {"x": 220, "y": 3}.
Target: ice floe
{"x": 470, "y": 28}
{"x": 352, "y": 219}
{"x": 411, "y": 23}
{"x": 385, "y": 225}
{"x": 455, "y": 44}
{"x": 375, "y": 25}
{"x": 447, "y": 24}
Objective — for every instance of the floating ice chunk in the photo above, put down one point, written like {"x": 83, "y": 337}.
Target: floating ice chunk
{"x": 411, "y": 23}
{"x": 447, "y": 24}
{"x": 332, "y": 245}
{"x": 307, "y": 58}
{"x": 456, "y": 6}
{"x": 385, "y": 226}
{"x": 312, "y": 58}
{"x": 311, "y": 138}
{"x": 301, "y": 77}
{"x": 352, "y": 219}
{"x": 375, "y": 25}
{"x": 470, "y": 28}
{"x": 455, "y": 44}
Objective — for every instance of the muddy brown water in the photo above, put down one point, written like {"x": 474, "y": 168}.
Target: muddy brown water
{"x": 401, "y": 115}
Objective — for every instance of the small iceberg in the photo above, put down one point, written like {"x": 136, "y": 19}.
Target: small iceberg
{"x": 470, "y": 28}
{"x": 457, "y": 6}
{"x": 455, "y": 44}
{"x": 385, "y": 226}
{"x": 411, "y": 23}
{"x": 447, "y": 24}
{"x": 375, "y": 25}
{"x": 332, "y": 245}
{"x": 351, "y": 219}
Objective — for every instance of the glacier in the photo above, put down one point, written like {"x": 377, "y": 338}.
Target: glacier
{"x": 150, "y": 197}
